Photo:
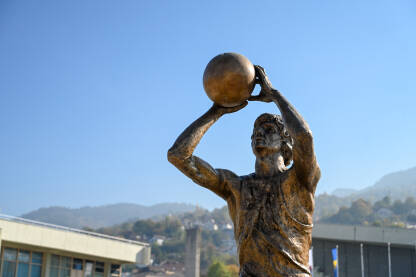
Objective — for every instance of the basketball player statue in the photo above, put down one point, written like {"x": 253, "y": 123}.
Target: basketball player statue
{"x": 272, "y": 208}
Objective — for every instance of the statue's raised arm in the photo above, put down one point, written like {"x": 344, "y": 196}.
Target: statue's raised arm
{"x": 181, "y": 153}
{"x": 304, "y": 160}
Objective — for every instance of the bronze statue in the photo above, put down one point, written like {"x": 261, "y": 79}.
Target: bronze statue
{"x": 272, "y": 208}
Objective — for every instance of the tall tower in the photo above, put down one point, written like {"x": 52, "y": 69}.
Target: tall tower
{"x": 193, "y": 251}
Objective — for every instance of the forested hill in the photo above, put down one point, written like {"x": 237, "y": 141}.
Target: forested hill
{"x": 383, "y": 212}
{"x": 397, "y": 186}
{"x": 103, "y": 216}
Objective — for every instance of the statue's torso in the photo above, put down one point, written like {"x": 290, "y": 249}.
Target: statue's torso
{"x": 272, "y": 225}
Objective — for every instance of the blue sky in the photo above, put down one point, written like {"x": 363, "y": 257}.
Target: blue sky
{"x": 93, "y": 93}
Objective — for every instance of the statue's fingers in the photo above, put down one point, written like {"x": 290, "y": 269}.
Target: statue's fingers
{"x": 261, "y": 75}
{"x": 254, "y": 98}
{"x": 260, "y": 69}
{"x": 237, "y": 108}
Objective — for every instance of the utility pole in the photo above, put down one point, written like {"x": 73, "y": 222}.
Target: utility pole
{"x": 389, "y": 257}
{"x": 362, "y": 259}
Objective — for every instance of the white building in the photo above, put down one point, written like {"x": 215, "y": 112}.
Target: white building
{"x": 35, "y": 249}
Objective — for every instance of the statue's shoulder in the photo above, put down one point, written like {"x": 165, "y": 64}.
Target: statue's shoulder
{"x": 227, "y": 174}
{"x": 248, "y": 176}
{"x": 247, "y": 179}
{"x": 228, "y": 177}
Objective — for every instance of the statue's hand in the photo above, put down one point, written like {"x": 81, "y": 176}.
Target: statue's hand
{"x": 224, "y": 110}
{"x": 266, "y": 92}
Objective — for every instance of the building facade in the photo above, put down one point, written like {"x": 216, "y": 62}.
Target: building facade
{"x": 35, "y": 249}
{"x": 364, "y": 251}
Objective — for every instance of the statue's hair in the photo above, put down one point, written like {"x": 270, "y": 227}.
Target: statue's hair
{"x": 287, "y": 141}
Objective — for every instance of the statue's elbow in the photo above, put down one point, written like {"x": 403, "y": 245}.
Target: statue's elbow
{"x": 174, "y": 157}
{"x": 306, "y": 137}
{"x": 171, "y": 156}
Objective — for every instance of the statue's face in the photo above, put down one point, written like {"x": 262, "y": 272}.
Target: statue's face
{"x": 266, "y": 139}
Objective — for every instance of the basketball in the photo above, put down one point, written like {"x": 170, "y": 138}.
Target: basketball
{"x": 229, "y": 79}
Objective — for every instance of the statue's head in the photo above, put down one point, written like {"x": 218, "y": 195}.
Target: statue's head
{"x": 270, "y": 136}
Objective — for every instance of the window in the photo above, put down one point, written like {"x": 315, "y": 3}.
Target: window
{"x": 65, "y": 270}
{"x": 9, "y": 262}
{"x": 54, "y": 269}
{"x": 20, "y": 263}
{"x": 115, "y": 270}
{"x": 36, "y": 264}
{"x": 60, "y": 266}
{"x": 99, "y": 269}
{"x": 78, "y": 264}
{"x": 88, "y": 268}
{"x": 23, "y": 259}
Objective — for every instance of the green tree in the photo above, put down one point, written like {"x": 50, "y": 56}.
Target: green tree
{"x": 172, "y": 228}
{"x": 360, "y": 209}
{"x": 207, "y": 255}
{"x": 218, "y": 269}
{"x": 233, "y": 269}
{"x": 158, "y": 254}
{"x": 383, "y": 203}
{"x": 359, "y": 213}
{"x": 221, "y": 216}
{"x": 144, "y": 227}
{"x": 411, "y": 218}
{"x": 399, "y": 207}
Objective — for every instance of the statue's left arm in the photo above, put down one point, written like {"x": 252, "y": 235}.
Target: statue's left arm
{"x": 304, "y": 160}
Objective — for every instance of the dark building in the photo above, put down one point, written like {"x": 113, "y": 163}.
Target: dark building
{"x": 375, "y": 248}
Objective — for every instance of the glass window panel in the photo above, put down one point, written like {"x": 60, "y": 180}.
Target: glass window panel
{"x": 8, "y": 268}
{"x": 35, "y": 271}
{"x": 65, "y": 272}
{"x": 115, "y": 269}
{"x": 55, "y": 260}
{"x": 22, "y": 270}
{"x": 88, "y": 268}
{"x": 36, "y": 258}
{"x": 99, "y": 267}
{"x": 66, "y": 262}
{"x": 10, "y": 254}
{"x": 23, "y": 256}
{"x": 54, "y": 272}
{"x": 77, "y": 264}
{"x": 98, "y": 274}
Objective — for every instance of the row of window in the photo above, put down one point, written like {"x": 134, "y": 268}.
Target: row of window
{"x": 23, "y": 263}
{"x": 63, "y": 266}
{"x": 20, "y": 263}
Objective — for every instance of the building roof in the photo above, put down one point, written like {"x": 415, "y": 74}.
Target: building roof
{"x": 376, "y": 235}
{"x": 43, "y": 235}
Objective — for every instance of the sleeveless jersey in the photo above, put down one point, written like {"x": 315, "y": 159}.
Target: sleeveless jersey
{"x": 271, "y": 241}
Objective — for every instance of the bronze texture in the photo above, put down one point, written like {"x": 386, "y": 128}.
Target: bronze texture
{"x": 229, "y": 79}
{"x": 271, "y": 208}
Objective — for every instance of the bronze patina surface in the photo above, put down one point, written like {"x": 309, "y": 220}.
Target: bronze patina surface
{"x": 229, "y": 79}
{"x": 271, "y": 208}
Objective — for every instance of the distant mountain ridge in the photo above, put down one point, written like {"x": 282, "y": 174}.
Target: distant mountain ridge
{"x": 397, "y": 185}
{"x": 343, "y": 192}
{"x": 107, "y": 215}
